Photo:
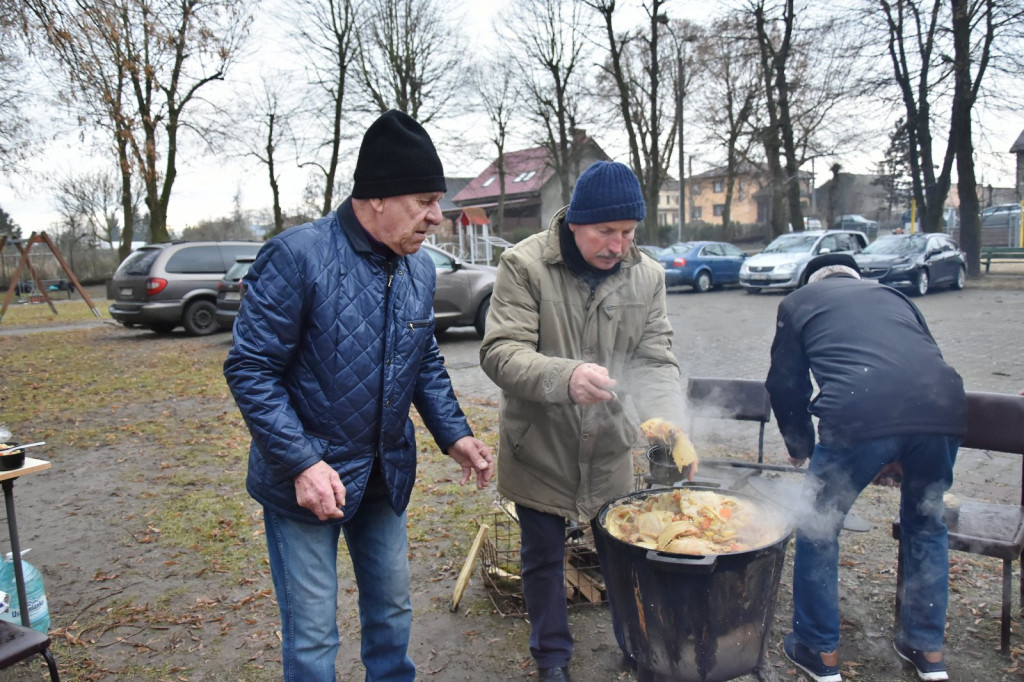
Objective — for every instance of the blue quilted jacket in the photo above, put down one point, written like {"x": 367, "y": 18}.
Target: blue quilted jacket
{"x": 332, "y": 345}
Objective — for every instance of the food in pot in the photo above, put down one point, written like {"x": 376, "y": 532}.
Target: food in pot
{"x": 669, "y": 436}
{"x": 685, "y": 521}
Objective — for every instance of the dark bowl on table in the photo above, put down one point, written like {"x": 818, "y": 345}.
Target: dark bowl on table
{"x": 12, "y": 459}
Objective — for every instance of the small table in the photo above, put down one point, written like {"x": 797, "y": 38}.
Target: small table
{"x": 30, "y": 466}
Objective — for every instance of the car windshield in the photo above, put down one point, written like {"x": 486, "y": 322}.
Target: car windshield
{"x": 792, "y": 243}
{"x": 680, "y": 247}
{"x": 896, "y": 246}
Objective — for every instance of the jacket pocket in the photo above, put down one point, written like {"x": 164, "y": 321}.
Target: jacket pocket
{"x": 543, "y": 455}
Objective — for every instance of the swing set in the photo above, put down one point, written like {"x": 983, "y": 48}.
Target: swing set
{"x": 24, "y": 247}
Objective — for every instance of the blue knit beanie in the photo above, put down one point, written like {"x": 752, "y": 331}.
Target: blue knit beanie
{"x": 606, "y": 192}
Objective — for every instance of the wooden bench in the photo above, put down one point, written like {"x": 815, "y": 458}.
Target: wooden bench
{"x": 1002, "y": 253}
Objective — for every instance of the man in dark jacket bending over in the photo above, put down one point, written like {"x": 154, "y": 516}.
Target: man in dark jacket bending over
{"x": 886, "y": 401}
{"x": 333, "y": 343}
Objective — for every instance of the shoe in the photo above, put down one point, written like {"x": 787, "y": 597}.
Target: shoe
{"x": 810, "y": 661}
{"x": 554, "y": 675}
{"x": 926, "y": 670}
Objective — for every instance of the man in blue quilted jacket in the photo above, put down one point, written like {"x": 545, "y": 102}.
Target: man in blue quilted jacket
{"x": 333, "y": 343}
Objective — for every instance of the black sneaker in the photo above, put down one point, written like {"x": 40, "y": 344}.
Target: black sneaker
{"x": 927, "y": 671}
{"x": 810, "y": 661}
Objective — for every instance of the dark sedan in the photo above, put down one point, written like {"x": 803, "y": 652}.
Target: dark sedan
{"x": 916, "y": 262}
{"x": 701, "y": 265}
{"x": 229, "y": 292}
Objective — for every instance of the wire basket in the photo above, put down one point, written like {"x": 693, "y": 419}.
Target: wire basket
{"x": 501, "y": 566}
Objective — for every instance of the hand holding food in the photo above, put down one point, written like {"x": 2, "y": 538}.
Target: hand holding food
{"x": 669, "y": 436}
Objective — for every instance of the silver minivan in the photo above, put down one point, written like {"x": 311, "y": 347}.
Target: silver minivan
{"x": 163, "y": 286}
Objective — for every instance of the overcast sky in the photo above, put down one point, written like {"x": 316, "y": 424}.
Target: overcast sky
{"x": 206, "y": 186}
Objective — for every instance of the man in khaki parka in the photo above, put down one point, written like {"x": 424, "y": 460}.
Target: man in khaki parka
{"x": 579, "y": 342}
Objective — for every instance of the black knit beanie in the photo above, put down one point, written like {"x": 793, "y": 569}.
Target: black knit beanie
{"x": 397, "y": 157}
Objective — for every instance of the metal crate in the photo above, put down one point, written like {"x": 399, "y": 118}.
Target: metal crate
{"x": 501, "y": 567}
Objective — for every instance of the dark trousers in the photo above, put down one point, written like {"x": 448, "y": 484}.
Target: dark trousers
{"x": 542, "y": 537}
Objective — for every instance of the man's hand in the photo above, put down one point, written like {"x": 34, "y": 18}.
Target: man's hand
{"x": 473, "y": 455}
{"x": 320, "y": 490}
{"x": 590, "y": 384}
{"x": 798, "y": 461}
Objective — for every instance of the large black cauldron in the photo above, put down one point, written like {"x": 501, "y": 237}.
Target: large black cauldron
{"x": 691, "y": 618}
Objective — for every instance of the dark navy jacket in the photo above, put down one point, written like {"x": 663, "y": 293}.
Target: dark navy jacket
{"x": 332, "y": 345}
{"x": 879, "y": 371}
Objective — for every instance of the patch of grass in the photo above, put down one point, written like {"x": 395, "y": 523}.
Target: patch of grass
{"x": 74, "y": 310}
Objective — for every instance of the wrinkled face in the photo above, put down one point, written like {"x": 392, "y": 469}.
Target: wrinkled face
{"x": 604, "y": 244}
{"x": 403, "y": 221}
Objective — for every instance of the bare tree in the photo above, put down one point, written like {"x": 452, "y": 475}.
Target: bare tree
{"x": 262, "y": 129}
{"x": 91, "y": 201}
{"x": 15, "y": 124}
{"x": 500, "y": 97}
{"x": 323, "y": 33}
{"x": 546, "y": 38}
{"x": 634, "y": 69}
{"x": 774, "y": 27}
{"x": 140, "y": 67}
{"x": 729, "y": 94}
{"x": 975, "y": 27}
{"x": 920, "y": 75}
{"x": 409, "y": 57}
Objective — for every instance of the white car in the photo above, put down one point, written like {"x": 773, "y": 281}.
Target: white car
{"x": 781, "y": 265}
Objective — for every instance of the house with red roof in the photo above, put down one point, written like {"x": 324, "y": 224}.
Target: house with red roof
{"x": 532, "y": 190}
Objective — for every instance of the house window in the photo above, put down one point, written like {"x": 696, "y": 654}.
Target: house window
{"x": 694, "y": 188}
{"x": 719, "y": 210}
{"x": 696, "y": 213}
{"x": 719, "y": 186}
{"x": 524, "y": 176}
{"x": 489, "y": 180}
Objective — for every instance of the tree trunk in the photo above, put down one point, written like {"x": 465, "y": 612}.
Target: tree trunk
{"x": 961, "y": 139}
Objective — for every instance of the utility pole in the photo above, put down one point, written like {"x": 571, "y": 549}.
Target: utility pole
{"x": 680, "y": 44}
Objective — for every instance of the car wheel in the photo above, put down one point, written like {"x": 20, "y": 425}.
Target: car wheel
{"x": 162, "y": 327}
{"x": 480, "y": 322}
{"x": 702, "y": 283}
{"x": 200, "y": 318}
{"x": 961, "y": 278}
{"x": 921, "y": 285}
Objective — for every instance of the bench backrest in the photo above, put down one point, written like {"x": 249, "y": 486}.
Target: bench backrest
{"x": 995, "y": 421}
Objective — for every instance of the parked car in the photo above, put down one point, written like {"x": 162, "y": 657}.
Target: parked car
{"x": 917, "y": 262}
{"x": 163, "y": 286}
{"x": 781, "y": 265}
{"x": 229, "y": 292}
{"x": 461, "y": 299}
{"x": 463, "y": 294}
{"x": 1001, "y": 215}
{"x": 853, "y": 221}
{"x": 651, "y": 251}
{"x": 701, "y": 265}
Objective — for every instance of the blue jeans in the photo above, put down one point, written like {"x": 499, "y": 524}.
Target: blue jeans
{"x": 542, "y": 551}
{"x": 303, "y": 564}
{"x": 835, "y": 478}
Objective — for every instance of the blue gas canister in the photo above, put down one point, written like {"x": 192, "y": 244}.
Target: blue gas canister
{"x": 35, "y": 592}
